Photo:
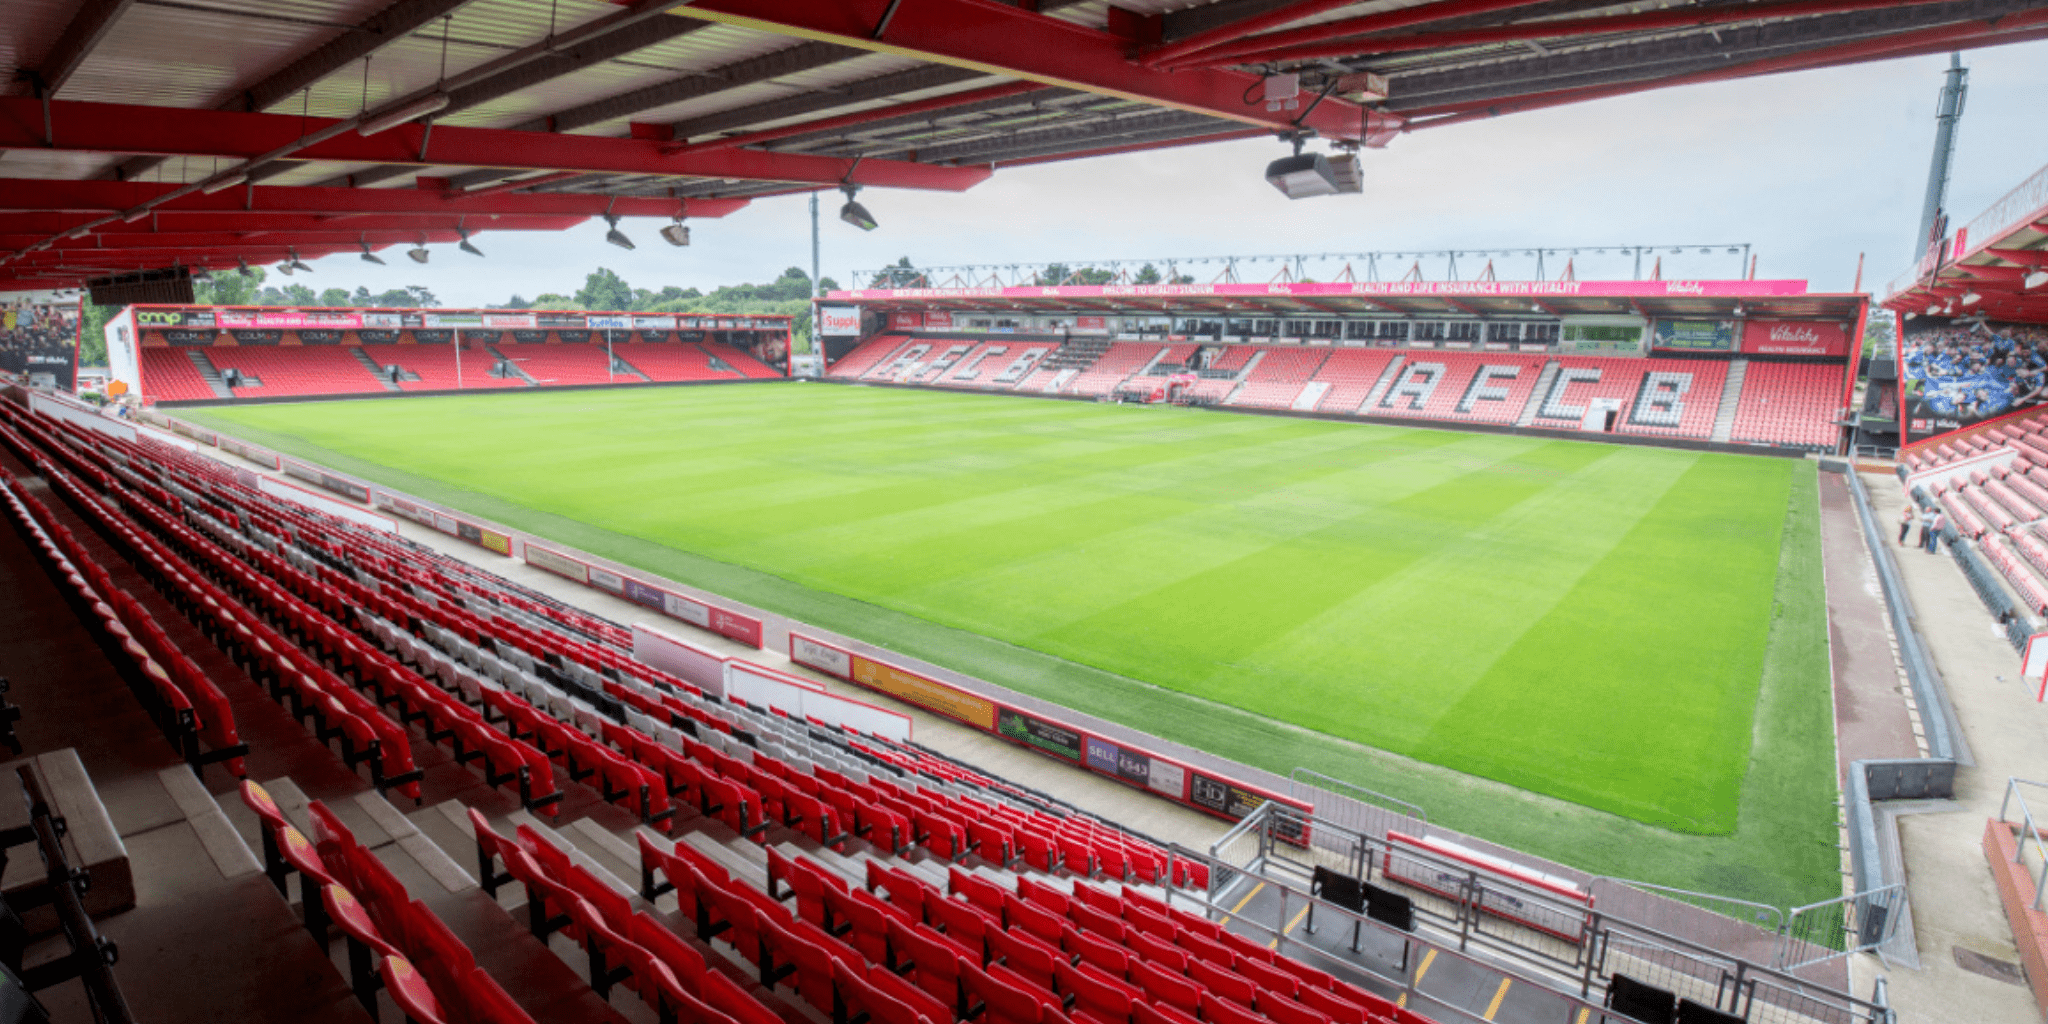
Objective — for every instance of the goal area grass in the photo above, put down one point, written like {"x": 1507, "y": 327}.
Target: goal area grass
{"x": 1611, "y": 655}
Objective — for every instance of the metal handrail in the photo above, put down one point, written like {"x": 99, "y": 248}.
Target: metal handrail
{"x": 1777, "y": 913}
{"x": 92, "y": 956}
{"x": 2012, "y": 793}
{"x": 1324, "y": 782}
{"x": 1604, "y": 930}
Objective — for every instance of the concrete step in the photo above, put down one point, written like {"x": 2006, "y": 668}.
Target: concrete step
{"x": 376, "y": 370}
{"x": 1731, "y": 400}
{"x": 1536, "y": 396}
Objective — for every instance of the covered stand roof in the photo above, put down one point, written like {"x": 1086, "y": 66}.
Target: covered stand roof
{"x": 1996, "y": 265}
{"x": 1484, "y": 299}
{"x": 139, "y": 133}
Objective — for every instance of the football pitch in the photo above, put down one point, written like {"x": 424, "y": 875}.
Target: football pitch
{"x": 1637, "y": 631}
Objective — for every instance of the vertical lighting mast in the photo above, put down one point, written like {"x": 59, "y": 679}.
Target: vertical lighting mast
{"x": 1946, "y": 116}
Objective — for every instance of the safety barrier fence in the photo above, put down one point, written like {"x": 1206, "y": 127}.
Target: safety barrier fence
{"x": 2032, "y": 851}
{"x": 1534, "y": 933}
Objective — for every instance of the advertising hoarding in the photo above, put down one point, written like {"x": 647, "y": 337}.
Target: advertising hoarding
{"x": 1795, "y": 338}
{"x": 838, "y": 321}
{"x": 1693, "y": 336}
{"x": 1955, "y": 373}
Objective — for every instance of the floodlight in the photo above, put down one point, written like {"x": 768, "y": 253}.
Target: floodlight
{"x": 418, "y": 108}
{"x": 418, "y": 254}
{"x": 285, "y": 268}
{"x": 243, "y": 266}
{"x": 676, "y": 234}
{"x": 1349, "y": 173}
{"x": 371, "y": 257}
{"x": 2035, "y": 279}
{"x": 615, "y": 236}
{"x": 465, "y": 246}
{"x": 1303, "y": 175}
{"x": 854, "y": 213}
{"x": 1972, "y": 298}
{"x": 296, "y": 262}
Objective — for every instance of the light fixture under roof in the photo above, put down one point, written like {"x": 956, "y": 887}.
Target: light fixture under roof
{"x": 296, "y": 262}
{"x": 1972, "y": 298}
{"x": 285, "y": 268}
{"x": 676, "y": 234}
{"x": 2035, "y": 279}
{"x": 614, "y": 235}
{"x": 418, "y": 254}
{"x": 243, "y": 266}
{"x": 854, "y": 213}
{"x": 371, "y": 257}
{"x": 465, "y": 245}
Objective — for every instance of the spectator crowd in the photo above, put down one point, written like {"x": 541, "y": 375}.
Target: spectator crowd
{"x": 39, "y": 338}
{"x": 1974, "y": 371}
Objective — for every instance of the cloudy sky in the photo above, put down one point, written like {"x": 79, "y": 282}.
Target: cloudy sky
{"x": 1810, "y": 168}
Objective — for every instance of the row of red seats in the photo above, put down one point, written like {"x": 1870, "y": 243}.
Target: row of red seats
{"x": 430, "y": 973}
{"x": 186, "y": 705}
{"x": 178, "y": 561}
{"x": 624, "y": 946}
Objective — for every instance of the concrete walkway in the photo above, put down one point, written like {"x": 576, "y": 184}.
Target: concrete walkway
{"x": 1955, "y": 908}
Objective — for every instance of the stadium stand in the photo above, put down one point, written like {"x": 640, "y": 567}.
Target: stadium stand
{"x": 295, "y": 370}
{"x": 1172, "y": 360}
{"x": 169, "y": 373}
{"x": 747, "y": 365}
{"x": 1121, "y": 361}
{"x": 1660, "y": 397}
{"x": 857, "y": 363}
{"x": 1350, "y": 374}
{"x": 1279, "y": 377}
{"x": 1486, "y": 387}
{"x": 671, "y": 362}
{"x": 1789, "y": 404}
{"x": 563, "y": 364}
{"x": 434, "y": 366}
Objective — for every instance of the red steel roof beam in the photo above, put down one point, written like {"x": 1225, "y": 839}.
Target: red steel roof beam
{"x": 1690, "y": 17}
{"x": 104, "y": 197}
{"x": 1421, "y": 14}
{"x": 1223, "y": 35}
{"x": 1942, "y": 36}
{"x": 994, "y": 92}
{"x": 165, "y": 131}
{"x": 1003, "y": 40}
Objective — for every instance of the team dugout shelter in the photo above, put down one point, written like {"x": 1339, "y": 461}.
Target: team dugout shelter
{"x": 1746, "y": 362}
{"x": 176, "y": 354}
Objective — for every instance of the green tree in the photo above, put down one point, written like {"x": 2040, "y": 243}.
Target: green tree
{"x": 421, "y": 297}
{"x": 334, "y": 297}
{"x": 92, "y": 334}
{"x": 1147, "y": 274}
{"x": 516, "y": 302}
{"x": 553, "y": 300}
{"x": 228, "y": 288}
{"x": 1880, "y": 335}
{"x": 605, "y": 289}
{"x": 902, "y": 275}
{"x": 1053, "y": 274}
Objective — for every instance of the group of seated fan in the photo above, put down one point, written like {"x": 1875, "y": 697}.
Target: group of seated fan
{"x": 430, "y": 973}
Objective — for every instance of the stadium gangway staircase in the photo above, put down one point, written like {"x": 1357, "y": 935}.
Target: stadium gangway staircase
{"x": 1478, "y": 924}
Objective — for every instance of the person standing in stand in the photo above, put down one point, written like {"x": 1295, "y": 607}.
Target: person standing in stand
{"x": 1905, "y": 522}
{"x": 1934, "y": 534}
{"x": 1926, "y": 525}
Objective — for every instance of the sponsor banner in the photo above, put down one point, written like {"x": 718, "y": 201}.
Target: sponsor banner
{"x": 339, "y": 485}
{"x": 610, "y": 323}
{"x": 146, "y": 318}
{"x": 307, "y": 499}
{"x": 938, "y": 320}
{"x": 1222, "y": 796}
{"x": 653, "y": 323}
{"x": 696, "y": 613}
{"x": 1308, "y": 289}
{"x": 924, "y": 692}
{"x": 178, "y": 336}
{"x": 530, "y": 337}
{"x": 377, "y": 337}
{"x": 1693, "y": 335}
{"x": 906, "y": 321}
{"x": 263, "y": 337}
{"x": 321, "y": 337}
{"x": 388, "y": 321}
{"x": 572, "y": 337}
{"x": 838, "y": 321}
{"x": 508, "y": 321}
{"x": 1054, "y": 739}
{"x": 453, "y": 319}
{"x": 1795, "y": 338}
{"x": 444, "y": 523}
{"x": 607, "y": 581}
{"x": 554, "y": 321}
{"x": 393, "y": 503}
{"x": 261, "y": 319}
{"x": 734, "y": 626}
{"x": 249, "y": 452}
{"x": 1091, "y": 325}
{"x": 557, "y": 563}
{"x": 1137, "y": 768}
{"x": 205, "y": 437}
{"x": 824, "y": 657}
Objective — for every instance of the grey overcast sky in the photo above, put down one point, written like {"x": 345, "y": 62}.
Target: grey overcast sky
{"x": 1811, "y": 168}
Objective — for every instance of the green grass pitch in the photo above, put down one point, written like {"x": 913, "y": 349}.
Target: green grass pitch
{"x": 1594, "y": 623}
